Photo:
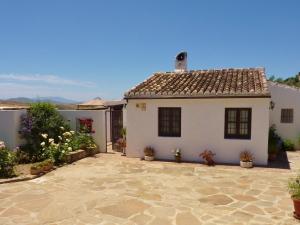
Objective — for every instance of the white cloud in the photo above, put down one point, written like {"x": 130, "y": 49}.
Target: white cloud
{"x": 12, "y": 90}
{"x": 48, "y": 79}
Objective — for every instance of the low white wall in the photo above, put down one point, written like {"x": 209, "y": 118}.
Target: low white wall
{"x": 10, "y": 127}
{"x": 98, "y": 117}
{"x": 285, "y": 97}
{"x": 202, "y": 127}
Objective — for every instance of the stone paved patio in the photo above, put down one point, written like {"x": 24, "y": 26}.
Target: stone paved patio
{"x": 111, "y": 189}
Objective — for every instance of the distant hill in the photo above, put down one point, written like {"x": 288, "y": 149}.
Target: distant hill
{"x": 55, "y": 100}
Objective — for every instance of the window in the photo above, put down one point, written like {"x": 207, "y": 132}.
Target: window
{"x": 287, "y": 115}
{"x": 169, "y": 122}
{"x": 238, "y": 123}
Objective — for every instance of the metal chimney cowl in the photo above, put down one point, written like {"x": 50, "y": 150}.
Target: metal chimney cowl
{"x": 181, "y": 62}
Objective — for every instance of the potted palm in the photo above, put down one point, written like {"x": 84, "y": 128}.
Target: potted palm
{"x": 246, "y": 159}
{"x": 149, "y": 153}
{"x": 294, "y": 190}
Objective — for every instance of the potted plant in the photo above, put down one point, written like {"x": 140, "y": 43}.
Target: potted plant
{"x": 294, "y": 190}
{"x": 208, "y": 156}
{"x": 149, "y": 153}
{"x": 246, "y": 159}
{"x": 91, "y": 149}
{"x": 177, "y": 155}
{"x": 121, "y": 143}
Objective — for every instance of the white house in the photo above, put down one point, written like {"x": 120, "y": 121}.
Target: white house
{"x": 285, "y": 112}
{"x": 225, "y": 111}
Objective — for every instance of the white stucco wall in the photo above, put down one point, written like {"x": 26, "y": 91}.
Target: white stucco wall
{"x": 124, "y": 116}
{"x": 98, "y": 117}
{"x": 10, "y": 126}
{"x": 285, "y": 97}
{"x": 202, "y": 127}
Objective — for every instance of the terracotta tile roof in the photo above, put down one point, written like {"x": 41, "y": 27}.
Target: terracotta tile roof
{"x": 203, "y": 83}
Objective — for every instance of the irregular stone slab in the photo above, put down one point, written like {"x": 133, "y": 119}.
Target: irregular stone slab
{"x": 125, "y": 209}
{"x": 254, "y": 210}
{"x": 13, "y": 212}
{"x": 246, "y": 198}
{"x": 141, "y": 219}
{"x": 161, "y": 221}
{"x": 186, "y": 218}
{"x": 242, "y": 215}
{"x": 207, "y": 191}
{"x": 162, "y": 211}
{"x": 217, "y": 199}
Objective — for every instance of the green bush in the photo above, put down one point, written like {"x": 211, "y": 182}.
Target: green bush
{"x": 7, "y": 162}
{"x": 288, "y": 145}
{"x": 274, "y": 140}
{"x": 82, "y": 141}
{"x": 294, "y": 187}
{"x": 41, "y": 118}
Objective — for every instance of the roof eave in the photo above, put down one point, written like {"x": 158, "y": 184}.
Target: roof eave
{"x": 196, "y": 97}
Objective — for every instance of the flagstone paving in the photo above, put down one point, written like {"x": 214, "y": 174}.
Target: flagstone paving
{"x": 113, "y": 190}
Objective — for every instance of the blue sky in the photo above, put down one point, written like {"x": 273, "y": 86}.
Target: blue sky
{"x": 88, "y": 48}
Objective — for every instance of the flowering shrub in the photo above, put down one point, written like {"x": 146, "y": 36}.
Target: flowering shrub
{"x": 42, "y": 118}
{"x": 86, "y": 125}
{"x": 7, "y": 161}
{"x": 57, "y": 150}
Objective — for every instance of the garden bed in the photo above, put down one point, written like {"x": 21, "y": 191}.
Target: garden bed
{"x": 22, "y": 174}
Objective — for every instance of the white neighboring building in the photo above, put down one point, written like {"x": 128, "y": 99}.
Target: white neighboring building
{"x": 286, "y": 110}
{"x": 226, "y": 111}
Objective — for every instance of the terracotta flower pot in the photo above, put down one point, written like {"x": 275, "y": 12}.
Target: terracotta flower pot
{"x": 178, "y": 158}
{"x": 297, "y": 208}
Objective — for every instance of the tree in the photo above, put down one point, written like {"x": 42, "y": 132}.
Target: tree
{"x": 41, "y": 118}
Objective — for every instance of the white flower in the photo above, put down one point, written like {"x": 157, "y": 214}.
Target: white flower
{"x": 66, "y": 144}
{"x": 68, "y": 140}
{"x": 51, "y": 140}
{"x": 67, "y": 134}
{"x": 2, "y": 145}
{"x": 44, "y": 136}
{"x": 72, "y": 132}
{"x": 62, "y": 128}
{"x": 59, "y": 137}
{"x": 43, "y": 144}
{"x": 70, "y": 149}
